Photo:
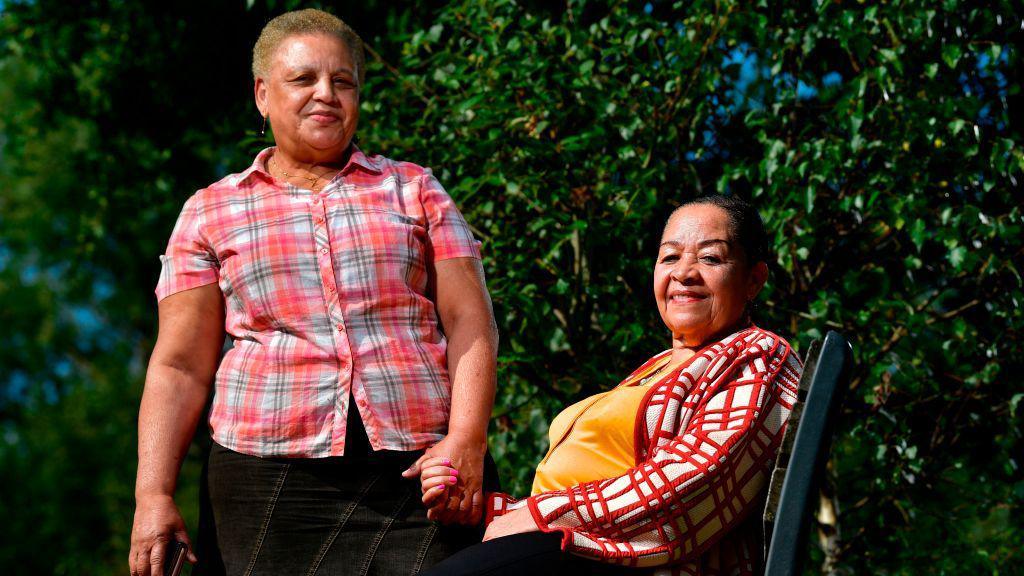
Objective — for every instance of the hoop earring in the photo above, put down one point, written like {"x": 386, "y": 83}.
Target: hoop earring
{"x": 263, "y": 131}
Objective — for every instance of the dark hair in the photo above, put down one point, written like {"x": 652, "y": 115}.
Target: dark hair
{"x": 745, "y": 221}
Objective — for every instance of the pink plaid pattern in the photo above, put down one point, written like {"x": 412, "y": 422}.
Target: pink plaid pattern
{"x": 324, "y": 293}
{"x": 705, "y": 445}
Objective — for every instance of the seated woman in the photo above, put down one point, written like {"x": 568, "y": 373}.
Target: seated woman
{"x": 668, "y": 468}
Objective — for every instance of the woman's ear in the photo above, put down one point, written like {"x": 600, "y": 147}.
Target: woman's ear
{"x": 758, "y": 276}
{"x": 260, "y": 94}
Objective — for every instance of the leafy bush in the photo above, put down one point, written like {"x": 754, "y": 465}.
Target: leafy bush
{"x": 881, "y": 142}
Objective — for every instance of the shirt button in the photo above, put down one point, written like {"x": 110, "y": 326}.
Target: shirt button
{"x": 323, "y": 250}
{"x": 318, "y": 220}
{"x": 316, "y": 199}
{"x": 341, "y": 327}
{"x": 332, "y": 289}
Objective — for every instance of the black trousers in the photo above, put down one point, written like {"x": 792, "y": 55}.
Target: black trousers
{"x": 529, "y": 553}
{"x": 350, "y": 515}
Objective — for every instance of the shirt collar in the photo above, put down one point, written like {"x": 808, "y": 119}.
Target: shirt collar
{"x": 360, "y": 159}
{"x": 356, "y": 158}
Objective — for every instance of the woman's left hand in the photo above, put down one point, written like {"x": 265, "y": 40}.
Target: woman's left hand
{"x": 515, "y": 522}
{"x": 465, "y": 502}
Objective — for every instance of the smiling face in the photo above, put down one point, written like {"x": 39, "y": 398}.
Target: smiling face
{"x": 311, "y": 95}
{"x": 702, "y": 280}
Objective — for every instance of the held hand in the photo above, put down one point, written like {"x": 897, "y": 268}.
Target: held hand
{"x": 464, "y": 499}
{"x": 157, "y": 524}
{"x": 515, "y": 522}
{"x": 436, "y": 476}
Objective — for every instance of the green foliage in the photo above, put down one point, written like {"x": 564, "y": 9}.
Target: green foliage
{"x": 890, "y": 193}
{"x": 881, "y": 142}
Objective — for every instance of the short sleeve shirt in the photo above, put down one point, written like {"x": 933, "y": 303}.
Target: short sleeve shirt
{"x": 325, "y": 294}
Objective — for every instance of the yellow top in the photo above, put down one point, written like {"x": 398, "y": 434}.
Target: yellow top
{"x": 593, "y": 438}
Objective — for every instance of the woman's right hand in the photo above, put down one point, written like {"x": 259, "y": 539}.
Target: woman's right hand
{"x": 178, "y": 383}
{"x": 157, "y": 524}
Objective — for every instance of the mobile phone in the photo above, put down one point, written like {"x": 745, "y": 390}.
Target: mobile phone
{"x": 175, "y": 558}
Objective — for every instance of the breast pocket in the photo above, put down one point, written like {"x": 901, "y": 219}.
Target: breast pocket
{"x": 382, "y": 253}
{"x": 272, "y": 272}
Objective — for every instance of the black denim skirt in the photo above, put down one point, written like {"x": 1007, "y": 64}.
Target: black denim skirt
{"x": 353, "y": 514}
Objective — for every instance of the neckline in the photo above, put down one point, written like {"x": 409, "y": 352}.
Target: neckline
{"x": 648, "y": 380}
{"x": 675, "y": 371}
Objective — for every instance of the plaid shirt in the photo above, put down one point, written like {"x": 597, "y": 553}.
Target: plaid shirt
{"x": 324, "y": 293}
{"x": 705, "y": 445}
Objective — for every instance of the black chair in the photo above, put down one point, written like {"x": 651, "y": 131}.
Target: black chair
{"x": 805, "y": 445}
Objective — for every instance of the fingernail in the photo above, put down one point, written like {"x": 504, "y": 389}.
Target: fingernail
{"x": 455, "y": 472}
{"x": 452, "y": 479}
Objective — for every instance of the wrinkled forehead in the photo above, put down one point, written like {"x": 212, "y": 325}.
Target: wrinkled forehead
{"x": 698, "y": 224}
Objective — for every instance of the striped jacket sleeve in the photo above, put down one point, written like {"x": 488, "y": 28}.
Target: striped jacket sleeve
{"x": 703, "y": 477}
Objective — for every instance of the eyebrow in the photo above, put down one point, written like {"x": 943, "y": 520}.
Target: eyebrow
{"x": 301, "y": 69}
{"x": 700, "y": 244}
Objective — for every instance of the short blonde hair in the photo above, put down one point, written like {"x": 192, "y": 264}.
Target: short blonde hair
{"x": 300, "y": 23}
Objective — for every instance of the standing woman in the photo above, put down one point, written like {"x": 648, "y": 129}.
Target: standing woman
{"x": 363, "y": 340}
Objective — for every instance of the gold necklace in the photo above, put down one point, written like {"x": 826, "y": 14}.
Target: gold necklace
{"x": 660, "y": 373}
{"x": 312, "y": 181}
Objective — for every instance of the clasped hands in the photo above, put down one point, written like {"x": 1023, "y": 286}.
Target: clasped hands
{"x": 452, "y": 485}
{"x": 451, "y": 479}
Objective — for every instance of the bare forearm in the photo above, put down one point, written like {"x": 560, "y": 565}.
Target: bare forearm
{"x": 464, "y": 308}
{"x": 172, "y": 403}
{"x": 177, "y": 384}
{"x": 472, "y": 354}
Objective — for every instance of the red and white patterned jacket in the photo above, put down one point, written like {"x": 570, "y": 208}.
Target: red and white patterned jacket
{"x": 705, "y": 444}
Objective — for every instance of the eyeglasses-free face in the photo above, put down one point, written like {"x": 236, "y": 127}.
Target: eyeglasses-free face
{"x": 702, "y": 280}
{"x": 311, "y": 96}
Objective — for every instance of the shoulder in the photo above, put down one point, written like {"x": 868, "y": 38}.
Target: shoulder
{"x": 403, "y": 171}
{"x": 205, "y": 199}
{"x": 253, "y": 178}
{"x": 221, "y": 198}
{"x": 769, "y": 352}
{"x": 230, "y": 182}
{"x": 757, "y": 340}
{"x": 233, "y": 184}
{"x": 231, "y": 190}
{"x": 384, "y": 163}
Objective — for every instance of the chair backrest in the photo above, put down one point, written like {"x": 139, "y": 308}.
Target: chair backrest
{"x": 804, "y": 449}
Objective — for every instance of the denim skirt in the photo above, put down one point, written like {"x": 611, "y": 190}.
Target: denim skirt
{"x": 348, "y": 515}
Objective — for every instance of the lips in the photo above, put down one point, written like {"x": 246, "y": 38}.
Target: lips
{"x": 323, "y": 116}
{"x": 685, "y": 297}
